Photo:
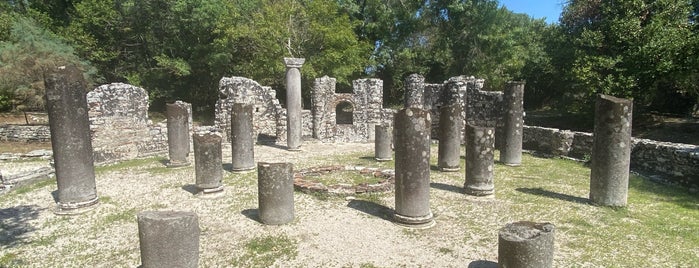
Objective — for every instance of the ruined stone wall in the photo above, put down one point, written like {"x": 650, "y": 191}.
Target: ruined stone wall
{"x": 266, "y": 107}
{"x": 675, "y": 162}
{"x": 25, "y": 133}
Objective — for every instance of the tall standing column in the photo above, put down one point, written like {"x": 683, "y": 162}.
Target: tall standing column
{"x": 413, "y": 96}
{"x": 526, "y": 244}
{"x": 450, "y": 125}
{"x": 382, "y": 143}
{"x": 294, "y": 126}
{"x": 412, "y": 166}
{"x": 275, "y": 192}
{"x": 480, "y": 142}
{"x": 70, "y": 139}
{"x": 611, "y": 151}
{"x": 511, "y": 153}
{"x": 168, "y": 239}
{"x": 177, "y": 133}
{"x": 207, "y": 162}
{"x": 242, "y": 144}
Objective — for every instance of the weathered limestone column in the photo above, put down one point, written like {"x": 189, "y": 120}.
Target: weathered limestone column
{"x": 275, "y": 187}
{"x": 168, "y": 238}
{"x": 611, "y": 151}
{"x": 414, "y": 91}
{"x": 511, "y": 152}
{"x": 480, "y": 142}
{"x": 242, "y": 143}
{"x": 293, "y": 103}
{"x": 412, "y": 126}
{"x": 208, "y": 160}
{"x": 382, "y": 143}
{"x": 70, "y": 139}
{"x": 177, "y": 133}
{"x": 526, "y": 244}
{"x": 450, "y": 125}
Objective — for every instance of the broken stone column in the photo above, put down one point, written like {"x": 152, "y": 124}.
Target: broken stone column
{"x": 414, "y": 91}
{"x": 208, "y": 162}
{"x": 611, "y": 151}
{"x": 177, "y": 133}
{"x": 168, "y": 238}
{"x": 412, "y": 127}
{"x": 242, "y": 143}
{"x": 480, "y": 142}
{"x": 450, "y": 125}
{"x": 275, "y": 187}
{"x": 293, "y": 103}
{"x": 70, "y": 139}
{"x": 511, "y": 152}
{"x": 382, "y": 143}
{"x": 526, "y": 244}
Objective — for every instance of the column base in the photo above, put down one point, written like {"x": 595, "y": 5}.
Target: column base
{"x": 383, "y": 159}
{"x": 297, "y": 149}
{"x": 423, "y": 222}
{"x": 76, "y": 208}
{"x": 449, "y": 169}
{"x": 512, "y": 164}
{"x": 172, "y": 164}
{"x": 243, "y": 170}
{"x": 210, "y": 193}
{"x": 478, "y": 192}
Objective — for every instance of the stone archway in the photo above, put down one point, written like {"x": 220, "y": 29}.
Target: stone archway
{"x": 344, "y": 113}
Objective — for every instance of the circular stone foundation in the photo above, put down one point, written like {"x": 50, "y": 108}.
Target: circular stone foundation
{"x": 330, "y": 179}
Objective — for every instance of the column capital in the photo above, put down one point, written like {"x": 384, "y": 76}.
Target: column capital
{"x": 294, "y": 62}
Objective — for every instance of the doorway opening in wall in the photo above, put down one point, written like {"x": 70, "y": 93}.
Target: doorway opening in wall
{"x": 343, "y": 113}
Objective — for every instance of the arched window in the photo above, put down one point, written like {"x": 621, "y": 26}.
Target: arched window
{"x": 343, "y": 113}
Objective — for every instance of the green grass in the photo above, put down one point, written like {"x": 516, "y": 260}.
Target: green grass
{"x": 264, "y": 251}
{"x": 28, "y": 188}
{"x": 344, "y": 177}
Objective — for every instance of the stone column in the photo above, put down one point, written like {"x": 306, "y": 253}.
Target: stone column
{"x": 526, "y": 244}
{"x": 242, "y": 143}
{"x": 294, "y": 126}
{"x": 275, "y": 187}
{"x": 450, "y": 126}
{"x": 208, "y": 162}
{"x": 382, "y": 143}
{"x": 70, "y": 139}
{"x": 412, "y": 127}
{"x": 611, "y": 151}
{"x": 511, "y": 152}
{"x": 168, "y": 239}
{"x": 177, "y": 133}
{"x": 479, "y": 160}
{"x": 414, "y": 91}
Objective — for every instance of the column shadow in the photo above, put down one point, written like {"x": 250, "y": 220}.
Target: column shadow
{"x": 482, "y": 264}
{"x": 371, "y": 208}
{"x": 253, "y": 214}
{"x": 191, "y": 188}
{"x": 15, "y": 224}
{"x": 447, "y": 187}
{"x": 541, "y": 192}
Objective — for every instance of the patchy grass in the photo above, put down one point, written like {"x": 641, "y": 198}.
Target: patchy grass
{"x": 28, "y": 188}
{"x": 344, "y": 177}
{"x": 132, "y": 164}
{"x": 23, "y": 147}
{"x": 264, "y": 251}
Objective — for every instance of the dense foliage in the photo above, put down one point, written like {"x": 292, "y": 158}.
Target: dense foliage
{"x": 179, "y": 49}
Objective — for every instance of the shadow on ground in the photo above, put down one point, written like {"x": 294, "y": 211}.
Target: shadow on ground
{"x": 15, "y": 224}
{"x": 482, "y": 264}
{"x": 447, "y": 187}
{"x": 371, "y": 208}
{"x": 547, "y": 193}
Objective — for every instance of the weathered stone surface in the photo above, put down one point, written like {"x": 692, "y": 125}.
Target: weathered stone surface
{"x": 414, "y": 91}
{"x": 611, "y": 151}
{"x": 450, "y": 127}
{"x": 526, "y": 244}
{"x": 208, "y": 161}
{"x": 264, "y": 100}
{"x": 168, "y": 239}
{"x": 293, "y": 103}
{"x": 412, "y": 145}
{"x": 383, "y": 143}
{"x": 70, "y": 139}
{"x": 242, "y": 143}
{"x": 511, "y": 152}
{"x": 480, "y": 143}
{"x": 275, "y": 192}
{"x": 177, "y": 133}
{"x": 25, "y": 133}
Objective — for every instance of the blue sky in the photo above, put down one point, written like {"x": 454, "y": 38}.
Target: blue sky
{"x": 551, "y": 9}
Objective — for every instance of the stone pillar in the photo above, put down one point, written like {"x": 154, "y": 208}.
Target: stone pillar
{"x": 526, "y": 244}
{"x": 293, "y": 103}
{"x": 177, "y": 133}
{"x": 450, "y": 126}
{"x": 275, "y": 187}
{"x": 611, "y": 151}
{"x": 511, "y": 152}
{"x": 168, "y": 239}
{"x": 479, "y": 160}
{"x": 242, "y": 143}
{"x": 382, "y": 143}
{"x": 414, "y": 91}
{"x": 412, "y": 127}
{"x": 70, "y": 139}
{"x": 208, "y": 161}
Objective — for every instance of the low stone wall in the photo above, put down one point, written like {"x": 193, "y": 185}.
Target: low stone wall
{"x": 25, "y": 133}
{"x": 675, "y": 162}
